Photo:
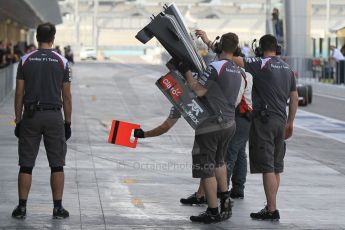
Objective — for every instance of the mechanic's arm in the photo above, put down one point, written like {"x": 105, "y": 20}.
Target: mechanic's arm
{"x": 202, "y": 34}
{"x": 67, "y": 101}
{"x": 18, "y": 100}
{"x": 195, "y": 85}
{"x": 292, "y": 113}
{"x": 159, "y": 130}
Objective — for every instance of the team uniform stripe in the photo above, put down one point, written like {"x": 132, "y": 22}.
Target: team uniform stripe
{"x": 60, "y": 59}
{"x": 26, "y": 57}
{"x": 222, "y": 69}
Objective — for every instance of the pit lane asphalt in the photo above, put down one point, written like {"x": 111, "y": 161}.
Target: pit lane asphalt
{"x": 113, "y": 187}
{"x": 328, "y": 100}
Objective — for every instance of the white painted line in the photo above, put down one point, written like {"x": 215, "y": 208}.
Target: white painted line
{"x": 321, "y": 133}
{"x": 321, "y": 125}
{"x": 119, "y": 60}
{"x": 321, "y": 116}
{"x": 328, "y": 96}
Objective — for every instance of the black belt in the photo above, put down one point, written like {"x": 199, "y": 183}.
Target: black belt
{"x": 40, "y": 108}
{"x": 48, "y": 108}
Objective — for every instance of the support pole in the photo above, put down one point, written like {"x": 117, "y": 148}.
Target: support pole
{"x": 297, "y": 18}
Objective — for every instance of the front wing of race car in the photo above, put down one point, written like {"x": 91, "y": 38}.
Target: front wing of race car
{"x": 170, "y": 30}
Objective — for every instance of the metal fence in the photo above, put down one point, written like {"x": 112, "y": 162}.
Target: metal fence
{"x": 314, "y": 69}
{"x": 6, "y": 81}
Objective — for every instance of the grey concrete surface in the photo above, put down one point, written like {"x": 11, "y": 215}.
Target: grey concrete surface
{"x": 113, "y": 187}
{"x": 328, "y": 100}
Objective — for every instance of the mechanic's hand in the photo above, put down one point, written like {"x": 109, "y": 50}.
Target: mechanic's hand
{"x": 17, "y": 130}
{"x": 183, "y": 67}
{"x": 202, "y": 34}
{"x": 172, "y": 64}
{"x": 139, "y": 133}
{"x": 68, "y": 131}
{"x": 288, "y": 130}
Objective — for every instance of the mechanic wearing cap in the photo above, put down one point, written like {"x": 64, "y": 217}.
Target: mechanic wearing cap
{"x": 273, "y": 84}
{"x": 219, "y": 85}
{"x": 42, "y": 88}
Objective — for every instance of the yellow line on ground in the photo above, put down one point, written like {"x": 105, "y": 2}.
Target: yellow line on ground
{"x": 5, "y": 115}
{"x": 129, "y": 181}
{"x": 6, "y": 123}
{"x": 137, "y": 202}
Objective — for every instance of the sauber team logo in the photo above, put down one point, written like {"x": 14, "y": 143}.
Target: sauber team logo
{"x": 195, "y": 107}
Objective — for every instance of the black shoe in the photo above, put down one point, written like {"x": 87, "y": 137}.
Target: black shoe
{"x": 236, "y": 195}
{"x": 60, "y": 213}
{"x": 225, "y": 206}
{"x": 19, "y": 212}
{"x": 206, "y": 218}
{"x": 193, "y": 199}
{"x": 265, "y": 214}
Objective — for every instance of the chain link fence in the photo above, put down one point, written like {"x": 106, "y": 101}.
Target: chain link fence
{"x": 309, "y": 70}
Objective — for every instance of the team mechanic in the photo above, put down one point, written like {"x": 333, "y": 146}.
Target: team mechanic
{"x": 236, "y": 157}
{"x": 219, "y": 85}
{"x": 273, "y": 84}
{"x": 42, "y": 77}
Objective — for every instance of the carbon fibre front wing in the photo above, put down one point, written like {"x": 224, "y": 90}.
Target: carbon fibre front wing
{"x": 170, "y": 30}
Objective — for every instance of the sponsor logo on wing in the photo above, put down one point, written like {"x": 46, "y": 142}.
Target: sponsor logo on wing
{"x": 194, "y": 119}
{"x": 167, "y": 82}
{"x": 176, "y": 92}
{"x": 189, "y": 113}
{"x": 195, "y": 107}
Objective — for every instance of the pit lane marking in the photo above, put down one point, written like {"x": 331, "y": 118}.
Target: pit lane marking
{"x": 321, "y": 125}
{"x": 137, "y": 202}
{"x": 328, "y": 96}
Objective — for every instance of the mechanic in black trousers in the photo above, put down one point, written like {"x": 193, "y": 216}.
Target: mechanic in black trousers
{"x": 42, "y": 77}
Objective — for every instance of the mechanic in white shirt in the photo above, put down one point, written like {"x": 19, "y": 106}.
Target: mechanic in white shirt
{"x": 336, "y": 54}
